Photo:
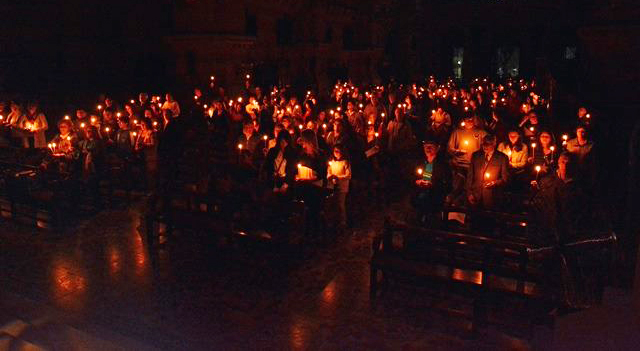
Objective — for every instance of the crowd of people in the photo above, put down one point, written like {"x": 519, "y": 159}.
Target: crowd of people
{"x": 448, "y": 143}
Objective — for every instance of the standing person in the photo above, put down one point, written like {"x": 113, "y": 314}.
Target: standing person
{"x": 34, "y": 124}
{"x": 463, "y": 142}
{"x": 338, "y": 176}
{"x": 434, "y": 181}
{"x": 488, "y": 173}
{"x": 518, "y": 154}
{"x": 582, "y": 148}
{"x": 171, "y": 104}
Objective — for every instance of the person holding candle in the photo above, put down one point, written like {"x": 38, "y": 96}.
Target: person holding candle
{"x": 310, "y": 178}
{"x": 546, "y": 155}
{"x": 433, "y": 183}
{"x": 171, "y": 104}
{"x": 517, "y": 152}
{"x": 463, "y": 142}
{"x": 65, "y": 139}
{"x": 338, "y": 178}
{"x": 488, "y": 174}
{"x": 250, "y": 140}
{"x": 34, "y": 124}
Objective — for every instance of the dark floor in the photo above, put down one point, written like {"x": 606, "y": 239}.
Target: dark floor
{"x": 94, "y": 287}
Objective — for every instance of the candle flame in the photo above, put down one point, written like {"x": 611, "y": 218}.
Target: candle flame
{"x": 420, "y": 171}
{"x": 487, "y": 175}
{"x": 538, "y": 168}
{"x": 239, "y": 146}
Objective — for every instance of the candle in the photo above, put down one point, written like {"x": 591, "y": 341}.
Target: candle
{"x": 118, "y": 114}
{"x": 376, "y": 134}
{"x": 538, "y": 168}
{"x": 240, "y": 99}
{"x": 212, "y": 78}
{"x": 588, "y": 115}
{"x": 93, "y": 120}
{"x": 462, "y": 124}
{"x": 99, "y": 107}
{"x": 132, "y": 101}
{"x": 533, "y": 149}
{"x": 107, "y": 129}
{"x": 552, "y": 148}
{"x": 420, "y": 171}
{"x": 82, "y": 125}
{"x": 67, "y": 117}
{"x": 532, "y": 129}
{"x": 300, "y": 126}
{"x": 248, "y": 76}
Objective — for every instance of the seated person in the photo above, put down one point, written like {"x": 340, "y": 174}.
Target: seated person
{"x": 434, "y": 182}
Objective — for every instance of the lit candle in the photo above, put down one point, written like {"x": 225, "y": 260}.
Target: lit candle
{"x": 420, "y": 171}
{"x": 533, "y": 149}
{"x": 93, "y": 120}
{"x": 265, "y": 138}
{"x": 487, "y": 175}
{"x": 552, "y": 148}
{"x": 67, "y": 117}
{"x": 99, "y": 107}
{"x": 300, "y": 126}
{"x": 82, "y": 125}
{"x": 240, "y": 99}
{"x": 248, "y": 76}
{"x": 588, "y": 115}
{"x": 212, "y": 78}
{"x": 132, "y": 101}
{"x": 538, "y": 168}
{"x": 107, "y": 129}
{"x": 462, "y": 124}
{"x": 532, "y": 128}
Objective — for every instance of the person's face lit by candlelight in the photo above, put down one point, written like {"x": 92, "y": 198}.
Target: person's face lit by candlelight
{"x": 64, "y": 128}
{"x": 430, "y": 150}
{"x": 514, "y": 137}
{"x": 545, "y": 139}
{"x": 582, "y": 112}
{"x": 81, "y": 114}
{"x": 489, "y": 144}
{"x": 581, "y": 133}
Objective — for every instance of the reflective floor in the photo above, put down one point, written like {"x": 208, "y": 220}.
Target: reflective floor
{"x": 97, "y": 287}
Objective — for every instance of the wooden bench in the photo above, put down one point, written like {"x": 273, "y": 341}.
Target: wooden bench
{"x": 487, "y": 270}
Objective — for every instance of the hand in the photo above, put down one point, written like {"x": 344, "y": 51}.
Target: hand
{"x": 472, "y": 199}
{"x": 490, "y": 184}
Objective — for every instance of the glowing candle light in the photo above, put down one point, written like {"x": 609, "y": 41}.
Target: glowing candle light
{"x": 533, "y": 148}
{"x": 538, "y": 168}
{"x": 67, "y": 117}
{"x": 248, "y": 76}
{"x": 588, "y": 115}
{"x": 376, "y": 134}
{"x": 212, "y": 78}
{"x": 118, "y": 114}
{"x": 300, "y": 126}
{"x": 93, "y": 120}
{"x": 99, "y": 107}
{"x": 68, "y": 138}
{"x": 487, "y": 175}
{"x": 463, "y": 124}
{"x": 532, "y": 129}
{"x": 382, "y": 114}
{"x": 240, "y": 147}
{"x": 240, "y": 99}
{"x": 132, "y": 101}
{"x": 324, "y": 126}
{"x": 82, "y": 125}
{"x": 135, "y": 134}
{"x": 419, "y": 171}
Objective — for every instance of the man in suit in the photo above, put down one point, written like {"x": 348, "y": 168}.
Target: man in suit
{"x": 488, "y": 173}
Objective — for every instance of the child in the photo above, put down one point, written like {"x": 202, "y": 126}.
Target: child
{"x": 339, "y": 175}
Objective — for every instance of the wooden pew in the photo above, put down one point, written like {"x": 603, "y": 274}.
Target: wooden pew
{"x": 487, "y": 270}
